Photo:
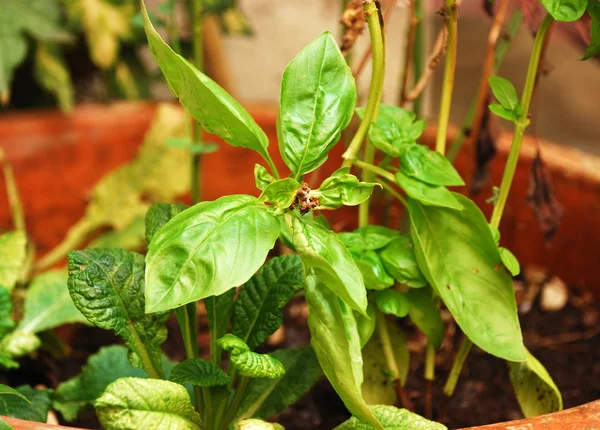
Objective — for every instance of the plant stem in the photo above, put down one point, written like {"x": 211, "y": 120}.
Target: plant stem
{"x": 367, "y": 176}
{"x": 208, "y": 408}
{"x": 419, "y": 52}
{"x": 457, "y": 365}
{"x": 196, "y": 166}
{"x": 449, "y": 72}
{"x": 388, "y": 353}
{"x": 375, "y": 169}
{"x": 429, "y": 377}
{"x": 186, "y": 318}
{"x": 393, "y": 192}
{"x": 173, "y": 30}
{"x": 409, "y": 53}
{"x": 240, "y": 393}
{"x": 14, "y": 200}
{"x": 377, "y": 76}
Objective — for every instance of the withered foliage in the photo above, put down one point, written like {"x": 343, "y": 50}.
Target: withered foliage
{"x": 488, "y": 7}
{"x": 353, "y": 20}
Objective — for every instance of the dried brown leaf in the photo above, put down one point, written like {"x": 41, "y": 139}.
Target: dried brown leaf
{"x": 353, "y": 21}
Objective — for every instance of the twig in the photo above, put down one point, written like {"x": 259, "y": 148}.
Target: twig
{"x": 410, "y": 50}
{"x": 14, "y": 199}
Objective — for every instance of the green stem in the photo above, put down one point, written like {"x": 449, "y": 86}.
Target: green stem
{"x": 430, "y": 362}
{"x": 419, "y": 52}
{"x": 173, "y": 30}
{"x": 367, "y": 176}
{"x": 240, "y": 393}
{"x": 449, "y": 72}
{"x": 459, "y": 361}
{"x": 377, "y": 76}
{"x": 186, "y": 318}
{"x": 375, "y": 169}
{"x": 14, "y": 200}
{"x": 196, "y": 166}
{"x": 208, "y": 408}
{"x": 394, "y": 193}
{"x": 386, "y": 343}
{"x": 274, "y": 170}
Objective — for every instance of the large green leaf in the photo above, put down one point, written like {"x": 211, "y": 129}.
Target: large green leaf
{"x": 267, "y": 397}
{"x": 593, "y": 49}
{"x": 317, "y": 102}
{"x": 248, "y": 363}
{"x": 429, "y": 166}
{"x": 342, "y": 189}
{"x": 458, "y": 255}
{"x": 158, "y": 215}
{"x": 322, "y": 251}
{"x": 13, "y": 249}
{"x": 336, "y": 342}
{"x": 209, "y": 104}
{"x": 107, "y": 286}
{"x": 32, "y": 405}
{"x": 565, "y": 10}
{"x": 103, "y": 368}
{"x": 425, "y": 313}
{"x": 400, "y": 261}
{"x": 6, "y": 322}
{"x": 48, "y": 303}
{"x": 392, "y": 418}
{"x": 207, "y": 250}
{"x": 152, "y": 404}
{"x": 256, "y": 313}
{"x": 199, "y": 372}
{"x": 535, "y": 390}
{"x": 432, "y": 195}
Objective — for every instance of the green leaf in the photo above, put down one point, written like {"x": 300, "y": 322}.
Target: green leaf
{"x": 399, "y": 260}
{"x": 254, "y": 424}
{"x": 262, "y": 178}
{"x": 317, "y": 102}
{"x": 342, "y": 189}
{"x": 103, "y": 368}
{"x": 4, "y": 425}
{"x": 256, "y": 313}
{"x": 421, "y": 163}
{"x": 158, "y": 215}
{"x": 32, "y": 405}
{"x": 427, "y": 194}
{"x": 458, "y": 256}
{"x": 5, "y": 390}
{"x": 593, "y": 8}
{"x": 7, "y": 363}
{"x": 17, "y": 344}
{"x": 130, "y": 237}
{"x": 336, "y": 342}
{"x": 392, "y": 418}
{"x": 207, "y": 250}
{"x": 322, "y": 251}
{"x": 502, "y": 112}
{"x": 199, "y": 372}
{"x": 48, "y": 303}
{"x": 505, "y": 92}
{"x": 52, "y": 73}
{"x": 219, "y": 310}
{"x": 209, "y": 104}
{"x": 371, "y": 267}
{"x": 249, "y": 363}
{"x": 510, "y": 261}
{"x": 281, "y": 193}
{"x": 370, "y": 237}
{"x": 107, "y": 286}
{"x": 136, "y": 403}
{"x": 366, "y": 326}
{"x": 425, "y": 313}
{"x": 392, "y": 302}
{"x": 6, "y": 322}
{"x": 565, "y": 10}
{"x": 268, "y": 397}
{"x": 535, "y": 390}
{"x": 13, "y": 250}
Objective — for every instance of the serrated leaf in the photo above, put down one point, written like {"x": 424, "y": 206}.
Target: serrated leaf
{"x": 593, "y": 49}
{"x": 280, "y": 193}
{"x": 103, "y": 368}
{"x": 342, "y": 189}
{"x": 209, "y": 104}
{"x": 317, "y": 101}
{"x": 427, "y": 194}
{"x": 392, "y": 302}
{"x": 130, "y": 237}
{"x": 158, "y": 215}
{"x": 207, "y": 250}
{"x": 32, "y": 405}
{"x": 150, "y": 404}
{"x": 400, "y": 261}
{"x": 505, "y": 92}
{"x": 322, "y": 251}
{"x": 52, "y": 73}
{"x": 13, "y": 250}
{"x": 268, "y": 397}
{"x": 370, "y": 237}
{"x": 199, "y": 372}
{"x": 535, "y": 390}
{"x": 565, "y": 10}
{"x": 510, "y": 261}
{"x": 262, "y": 178}
{"x": 107, "y": 286}
{"x": 254, "y": 424}
{"x": 420, "y": 162}
{"x": 458, "y": 256}
{"x": 392, "y": 418}
{"x": 502, "y": 112}
{"x": 248, "y": 363}
{"x": 425, "y": 313}
{"x": 6, "y": 322}
{"x": 256, "y": 313}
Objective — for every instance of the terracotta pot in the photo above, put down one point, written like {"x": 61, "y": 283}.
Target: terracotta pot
{"x": 32, "y": 425}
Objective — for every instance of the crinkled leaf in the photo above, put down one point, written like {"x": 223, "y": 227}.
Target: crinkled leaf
{"x": 52, "y": 73}
{"x": 420, "y": 162}
{"x": 107, "y": 286}
{"x": 392, "y": 418}
{"x": 535, "y": 390}
{"x": 502, "y": 112}
{"x": 13, "y": 250}
{"x": 207, "y": 250}
{"x": 593, "y": 49}
{"x": 256, "y": 313}
{"x": 199, "y": 372}
{"x": 370, "y": 237}
{"x": 427, "y": 194}
{"x": 400, "y": 261}
{"x": 137, "y": 403}
{"x": 372, "y": 269}
{"x": 317, "y": 102}
{"x": 280, "y": 193}
{"x": 216, "y": 111}
{"x": 158, "y": 215}
{"x": 392, "y": 302}
{"x": 457, "y": 254}
{"x": 262, "y": 177}
{"x": 366, "y": 326}
{"x": 505, "y": 92}
{"x": 565, "y": 10}
{"x": 254, "y": 424}
{"x": 322, "y": 251}
{"x": 103, "y": 368}
{"x": 34, "y": 407}
{"x": 343, "y": 189}
{"x": 268, "y": 397}
{"x": 336, "y": 342}
{"x": 425, "y": 313}
{"x": 510, "y": 261}
{"x": 249, "y": 363}
{"x": 130, "y": 237}
{"x": 6, "y": 322}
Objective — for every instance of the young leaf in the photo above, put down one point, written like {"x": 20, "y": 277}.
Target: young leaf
{"x": 207, "y": 250}
{"x": 6, "y": 322}
{"x": 262, "y": 177}
{"x": 322, "y": 251}
{"x": 32, "y": 405}
{"x": 107, "y": 286}
{"x": 281, "y": 193}
{"x": 502, "y": 112}
{"x": 420, "y": 162}
{"x": 565, "y": 10}
{"x": 399, "y": 260}
{"x": 209, "y": 104}
{"x": 366, "y": 326}
{"x": 158, "y": 215}
{"x": 267, "y": 397}
{"x": 48, "y": 303}
{"x": 392, "y": 418}
{"x": 256, "y": 313}
{"x": 535, "y": 390}
{"x": 219, "y": 310}
{"x": 137, "y": 403}
{"x": 371, "y": 267}
{"x": 510, "y": 261}
{"x": 17, "y": 344}
{"x": 249, "y": 363}
{"x": 13, "y": 249}
{"x": 103, "y": 368}
{"x": 342, "y": 189}
{"x": 505, "y": 92}
{"x": 370, "y": 237}
{"x": 317, "y": 101}
{"x": 392, "y": 302}
{"x": 199, "y": 372}
{"x": 457, "y": 254}
{"x": 258, "y": 425}
{"x": 336, "y": 342}
{"x": 427, "y": 194}
{"x": 593, "y": 8}
{"x": 425, "y": 313}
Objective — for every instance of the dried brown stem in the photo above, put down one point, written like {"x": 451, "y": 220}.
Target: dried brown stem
{"x": 410, "y": 50}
